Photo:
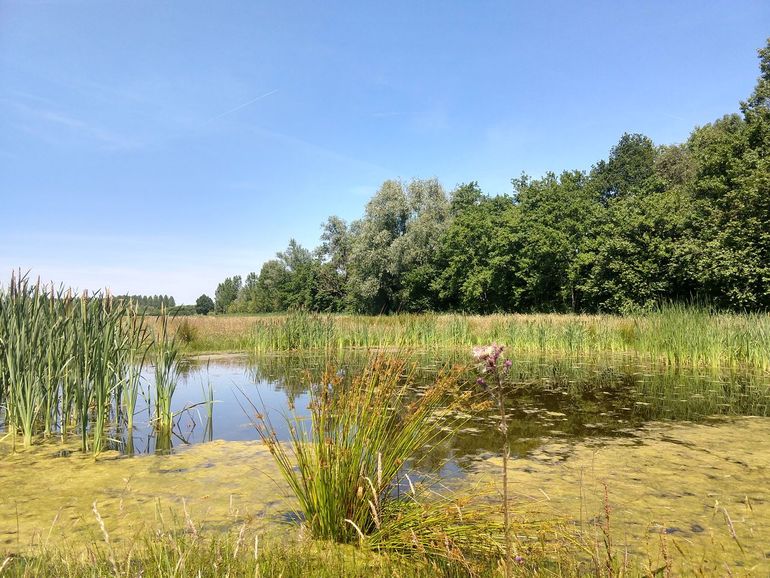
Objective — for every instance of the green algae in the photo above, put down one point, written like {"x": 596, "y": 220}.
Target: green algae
{"x": 699, "y": 491}
{"x": 49, "y": 493}
{"x": 697, "y": 494}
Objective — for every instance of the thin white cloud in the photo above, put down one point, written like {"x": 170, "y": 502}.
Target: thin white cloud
{"x": 39, "y": 120}
{"x": 319, "y": 150}
{"x": 241, "y": 106}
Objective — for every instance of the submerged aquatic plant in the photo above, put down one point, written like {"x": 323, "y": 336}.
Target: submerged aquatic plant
{"x": 343, "y": 463}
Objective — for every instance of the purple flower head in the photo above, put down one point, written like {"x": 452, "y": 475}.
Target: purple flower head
{"x": 481, "y": 381}
{"x": 507, "y": 365}
{"x": 519, "y": 559}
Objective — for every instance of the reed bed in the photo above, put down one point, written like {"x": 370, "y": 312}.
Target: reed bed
{"x": 71, "y": 364}
{"x": 676, "y": 335}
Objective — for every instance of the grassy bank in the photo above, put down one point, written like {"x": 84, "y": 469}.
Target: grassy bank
{"x": 679, "y": 336}
{"x": 171, "y": 555}
{"x": 184, "y": 553}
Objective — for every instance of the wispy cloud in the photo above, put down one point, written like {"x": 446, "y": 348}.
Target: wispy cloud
{"x": 241, "y": 106}
{"x": 44, "y": 121}
{"x": 321, "y": 151}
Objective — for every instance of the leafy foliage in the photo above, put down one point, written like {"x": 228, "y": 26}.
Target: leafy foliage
{"x": 648, "y": 225}
{"x": 204, "y": 305}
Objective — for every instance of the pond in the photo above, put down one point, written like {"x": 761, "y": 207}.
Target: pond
{"x": 549, "y": 398}
{"x": 680, "y": 454}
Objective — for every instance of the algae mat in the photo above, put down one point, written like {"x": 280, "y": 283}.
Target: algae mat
{"x": 48, "y": 497}
{"x": 699, "y": 492}
{"x": 700, "y": 489}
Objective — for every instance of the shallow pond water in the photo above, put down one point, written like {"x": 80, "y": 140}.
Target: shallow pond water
{"x": 680, "y": 452}
{"x": 564, "y": 398}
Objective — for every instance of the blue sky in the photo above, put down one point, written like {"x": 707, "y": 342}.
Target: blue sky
{"x": 159, "y": 146}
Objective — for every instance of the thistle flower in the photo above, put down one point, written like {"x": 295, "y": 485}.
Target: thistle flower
{"x": 482, "y": 352}
{"x": 487, "y": 353}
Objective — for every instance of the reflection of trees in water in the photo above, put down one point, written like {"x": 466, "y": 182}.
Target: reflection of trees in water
{"x": 550, "y": 397}
{"x": 295, "y": 373}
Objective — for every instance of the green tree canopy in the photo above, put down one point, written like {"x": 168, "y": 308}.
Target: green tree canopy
{"x": 204, "y": 305}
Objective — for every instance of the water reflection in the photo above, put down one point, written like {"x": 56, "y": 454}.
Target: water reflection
{"x": 549, "y": 398}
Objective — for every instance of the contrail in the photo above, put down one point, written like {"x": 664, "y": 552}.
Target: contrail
{"x": 240, "y": 106}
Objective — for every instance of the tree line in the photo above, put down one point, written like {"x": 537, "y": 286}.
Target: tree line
{"x": 157, "y": 304}
{"x": 151, "y": 301}
{"x": 649, "y": 224}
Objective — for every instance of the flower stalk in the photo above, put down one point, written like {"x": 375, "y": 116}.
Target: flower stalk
{"x": 489, "y": 356}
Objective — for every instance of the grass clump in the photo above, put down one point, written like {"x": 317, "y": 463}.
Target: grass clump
{"x": 347, "y": 463}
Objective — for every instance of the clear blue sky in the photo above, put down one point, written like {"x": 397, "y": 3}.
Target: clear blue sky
{"x": 159, "y": 146}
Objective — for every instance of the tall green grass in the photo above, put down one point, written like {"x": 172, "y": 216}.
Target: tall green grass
{"x": 676, "y": 335}
{"x": 71, "y": 363}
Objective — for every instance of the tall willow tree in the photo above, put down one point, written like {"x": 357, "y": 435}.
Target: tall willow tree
{"x": 333, "y": 256}
{"x": 392, "y": 260}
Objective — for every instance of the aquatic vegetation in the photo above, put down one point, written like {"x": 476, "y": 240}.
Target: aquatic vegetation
{"x": 72, "y": 363}
{"x": 166, "y": 376}
{"x": 677, "y": 335}
{"x": 489, "y": 356}
{"x": 344, "y": 465}
{"x": 656, "y": 519}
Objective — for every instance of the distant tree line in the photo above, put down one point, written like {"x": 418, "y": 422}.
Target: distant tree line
{"x": 648, "y": 224}
{"x": 155, "y": 304}
{"x": 151, "y": 301}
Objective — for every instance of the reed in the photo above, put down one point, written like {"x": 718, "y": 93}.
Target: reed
{"x": 676, "y": 335}
{"x": 68, "y": 363}
{"x": 166, "y": 375}
{"x": 138, "y": 348}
